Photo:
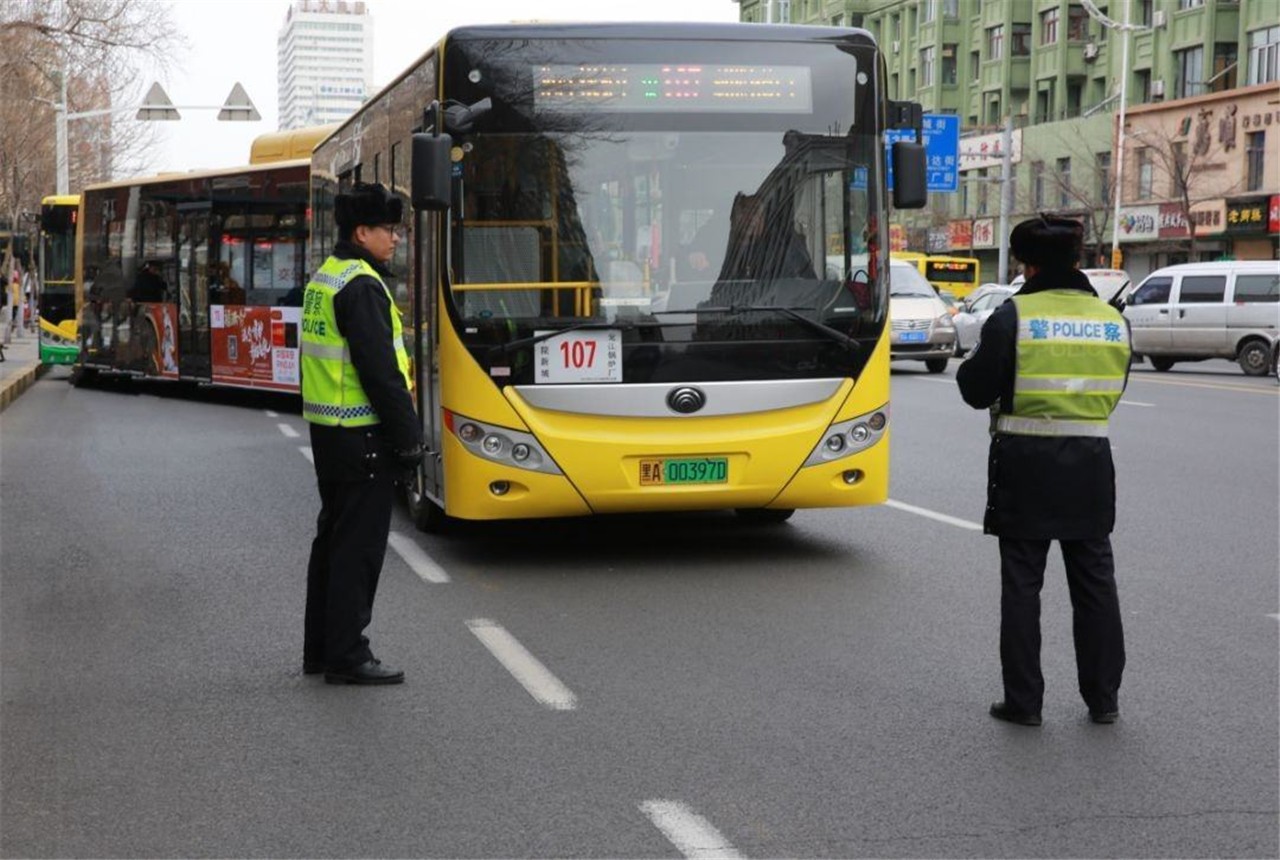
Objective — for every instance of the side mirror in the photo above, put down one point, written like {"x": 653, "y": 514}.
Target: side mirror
{"x": 432, "y": 170}
{"x": 910, "y": 187}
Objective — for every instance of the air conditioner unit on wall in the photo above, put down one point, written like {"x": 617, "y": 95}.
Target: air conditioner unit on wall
{"x": 1090, "y": 51}
{"x": 1157, "y": 18}
{"x": 896, "y": 45}
{"x": 1157, "y": 88}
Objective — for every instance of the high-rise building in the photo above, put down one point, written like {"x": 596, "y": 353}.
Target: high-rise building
{"x": 1200, "y": 82}
{"x": 324, "y": 66}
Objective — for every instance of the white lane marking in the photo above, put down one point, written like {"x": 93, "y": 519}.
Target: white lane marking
{"x": 272, "y": 413}
{"x": 934, "y": 515}
{"x": 414, "y": 556}
{"x": 1276, "y": 616}
{"x": 1135, "y": 403}
{"x": 945, "y": 380}
{"x": 526, "y": 668}
{"x": 287, "y": 430}
{"x": 306, "y": 452}
{"x": 692, "y": 834}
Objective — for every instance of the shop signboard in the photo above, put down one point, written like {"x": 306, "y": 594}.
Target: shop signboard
{"x": 1139, "y": 223}
{"x": 1273, "y": 218}
{"x": 961, "y": 234}
{"x": 1247, "y": 215}
{"x": 984, "y": 233}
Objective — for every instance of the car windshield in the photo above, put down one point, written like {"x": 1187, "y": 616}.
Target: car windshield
{"x": 906, "y": 281}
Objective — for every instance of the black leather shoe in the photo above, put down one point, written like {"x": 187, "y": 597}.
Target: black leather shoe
{"x": 1001, "y": 711}
{"x": 312, "y": 667}
{"x": 369, "y": 672}
{"x": 1105, "y": 718}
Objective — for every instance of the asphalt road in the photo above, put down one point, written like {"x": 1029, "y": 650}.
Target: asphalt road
{"x": 655, "y": 686}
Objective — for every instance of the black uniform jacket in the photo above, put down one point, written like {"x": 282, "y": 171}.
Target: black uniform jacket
{"x": 363, "y": 314}
{"x": 1038, "y": 487}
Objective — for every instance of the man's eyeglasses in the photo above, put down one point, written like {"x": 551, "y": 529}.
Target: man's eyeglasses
{"x": 394, "y": 229}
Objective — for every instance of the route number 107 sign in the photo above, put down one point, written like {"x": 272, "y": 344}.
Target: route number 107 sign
{"x": 580, "y": 356}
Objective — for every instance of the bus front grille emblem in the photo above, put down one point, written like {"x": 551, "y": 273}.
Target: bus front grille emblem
{"x": 686, "y": 400}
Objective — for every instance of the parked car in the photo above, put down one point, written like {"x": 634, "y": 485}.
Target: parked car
{"x": 921, "y": 326}
{"x": 969, "y": 322}
{"x": 1196, "y": 311}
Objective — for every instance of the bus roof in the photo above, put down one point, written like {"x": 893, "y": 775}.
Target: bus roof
{"x": 198, "y": 174}
{"x": 288, "y": 145}
{"x": 657, "y": 30}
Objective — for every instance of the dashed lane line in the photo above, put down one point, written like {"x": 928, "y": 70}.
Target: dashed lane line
{"x": 287, "y": 430}
{"x": 692, "y": 834}
{"x": 934, "y": 515}
{"x": 306, "y": 452}
{"x": 1268, "y": 390}
{"x": 1135, "y": 403}
{"x": 417, "y": 559}
{"x": 523, "y": 666}
{"x": 271, "y": 413}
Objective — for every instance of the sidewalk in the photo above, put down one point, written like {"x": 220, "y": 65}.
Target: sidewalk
{"x": 21, "y": 367}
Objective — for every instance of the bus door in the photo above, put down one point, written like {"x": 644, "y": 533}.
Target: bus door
{"x": 426, "y": 313}
{"x": 193, "y": 292}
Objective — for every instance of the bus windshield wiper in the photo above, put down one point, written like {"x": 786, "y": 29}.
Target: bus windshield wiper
{"x": 834, "y": 334}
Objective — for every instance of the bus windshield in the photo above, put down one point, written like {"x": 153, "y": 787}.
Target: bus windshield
{"x": 58, "y": 243}
{"x": 713, "y": 225}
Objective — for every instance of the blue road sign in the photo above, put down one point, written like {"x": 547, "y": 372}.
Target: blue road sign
{"x": 941, "y": 133}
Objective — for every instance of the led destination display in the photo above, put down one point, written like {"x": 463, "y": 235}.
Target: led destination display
{"x": 666, "y": 87}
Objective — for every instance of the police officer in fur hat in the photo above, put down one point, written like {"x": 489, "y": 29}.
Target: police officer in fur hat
{"x": 365, "y": 434}
{"x": 1051, "y": 364}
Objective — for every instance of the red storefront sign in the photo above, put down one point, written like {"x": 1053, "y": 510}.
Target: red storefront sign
{"x": 961, "y": 234}
{"x": 1273, "y": 219}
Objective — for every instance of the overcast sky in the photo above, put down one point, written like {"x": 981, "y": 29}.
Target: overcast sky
{"x": 235, "y": 40}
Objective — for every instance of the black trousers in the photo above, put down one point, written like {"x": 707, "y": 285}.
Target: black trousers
{"x": 1096, "y": 625}
{"x": 342, "y": 575}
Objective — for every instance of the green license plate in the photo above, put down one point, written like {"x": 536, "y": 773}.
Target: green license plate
{"x": 684, "y": 470}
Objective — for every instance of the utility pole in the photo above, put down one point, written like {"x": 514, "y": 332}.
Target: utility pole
{"x": 1006, "y": 198}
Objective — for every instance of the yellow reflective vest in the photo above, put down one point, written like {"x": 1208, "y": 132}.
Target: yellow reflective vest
{"x": 331, "y": 391}
{"x": 1072, "y": 361}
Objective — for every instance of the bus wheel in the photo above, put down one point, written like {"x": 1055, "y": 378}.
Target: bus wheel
{"x": 426, "y": 514}
{"x": 935, "y": 365}
{"x": 764, "y": 516}
{"x": 1254, "y": 357}
{"x": 1161, "y": 364}
{"x": 82, "y": 376}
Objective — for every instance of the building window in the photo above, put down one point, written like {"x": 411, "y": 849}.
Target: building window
{"x": 1142, "y": 85}
{"x": 951, "y": 8}
{"x": 1049, "y": 27}
{"x": 1102, "y": 161}
{"x": 1064, "y": 182}
{"x": 1189, "y": 4}
{"x": 995, "y": 42}
{"x": 1101, "y": 38}
{"x": 984, "y": 191}
{"x": 993, "y": 111}
{"x": 1264, "y": 55}
{"x": 1020, "y": 40}
{"x": 1077, "y": 23}
{"x": 1037, "y": 184}
{"x": 926, "y": 67}
{"x": 1190, "y": 70}
{"x": 1144, "y": 12}
{"x": 1254, "y": 153}
{"x": 949, "y": 63}
{"x": 927, "y": 10}
{"x": 975, "y": 66}
{"x": 1224, "y": 67}
{"x": 1146, "y": 173}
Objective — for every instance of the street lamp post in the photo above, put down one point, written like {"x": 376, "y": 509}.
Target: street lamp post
{"x": 156, "y": 106}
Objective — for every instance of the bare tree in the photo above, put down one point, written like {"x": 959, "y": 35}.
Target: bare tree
{"x": 1087, "y": 191}
{"x": 99, "y": 46}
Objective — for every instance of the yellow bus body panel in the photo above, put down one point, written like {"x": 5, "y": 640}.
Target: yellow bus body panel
{"x": 600, "y": 455}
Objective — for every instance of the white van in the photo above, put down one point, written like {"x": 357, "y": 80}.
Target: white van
{"x": 1207, "y": 310}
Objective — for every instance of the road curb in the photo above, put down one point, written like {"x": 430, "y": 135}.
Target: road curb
{"x": 13, "y": 385}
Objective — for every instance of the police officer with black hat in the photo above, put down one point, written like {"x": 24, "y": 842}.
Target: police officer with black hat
{"x": 1051, "y": 364}
{"x": 364, "y": 432}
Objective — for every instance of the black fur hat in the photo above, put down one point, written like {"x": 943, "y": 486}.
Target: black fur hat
{"x": 366, "y": 203}
{"x": 1048, "y": 242}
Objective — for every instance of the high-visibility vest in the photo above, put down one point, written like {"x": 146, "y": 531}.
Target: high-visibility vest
{"x": 1072, "y": 359}
{"x": 331, "y": 391}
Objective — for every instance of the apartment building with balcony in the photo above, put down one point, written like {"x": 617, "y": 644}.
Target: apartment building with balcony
{"x": 1055, "y": 72}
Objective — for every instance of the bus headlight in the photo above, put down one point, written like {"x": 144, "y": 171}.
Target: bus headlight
{"x": 850, "y": 437}
{"x": 501, "y": 444}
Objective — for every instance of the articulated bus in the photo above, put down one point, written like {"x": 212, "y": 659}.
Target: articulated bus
{"x": 59, "y": 216}
{"x": 195, "y": 276}
{"x": 199, "y": 276}
{"x": 573, "y": 354}
{"x": 957, "y": 275}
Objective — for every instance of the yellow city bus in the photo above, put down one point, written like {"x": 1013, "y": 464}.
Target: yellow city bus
{"x": 59, "y": 219}
{"x": 957, "y": 275}
{"x": 645, "y": 265}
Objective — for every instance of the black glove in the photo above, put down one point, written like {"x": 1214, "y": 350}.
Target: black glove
{"x": 409, "y": 459}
